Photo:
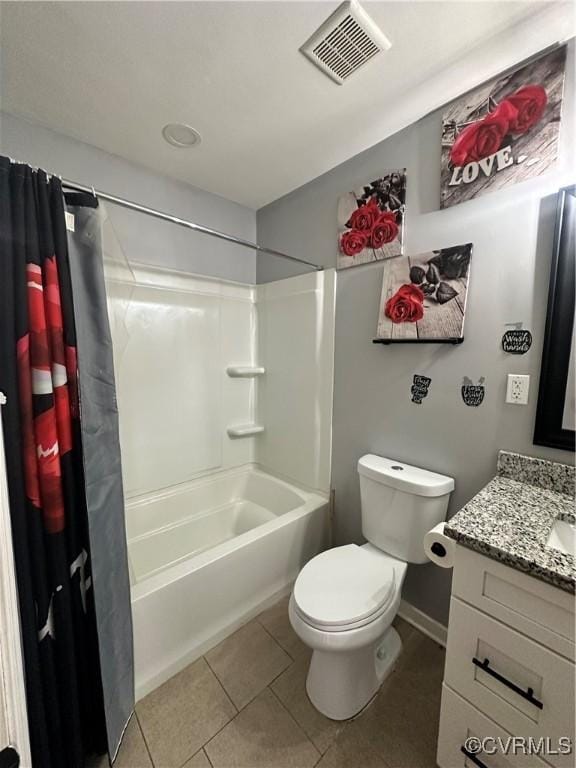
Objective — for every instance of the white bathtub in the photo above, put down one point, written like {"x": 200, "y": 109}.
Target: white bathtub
{"x": 207, "y": 556}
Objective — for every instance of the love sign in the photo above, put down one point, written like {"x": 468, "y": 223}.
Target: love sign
{"x": 503, "y": 132}
{"x": 470, "y": 172}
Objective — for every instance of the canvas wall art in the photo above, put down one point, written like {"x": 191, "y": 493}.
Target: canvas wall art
{"x": 503, "y": 132}
{"x": 371, "y": 220}
{"x": 424, "y": 297}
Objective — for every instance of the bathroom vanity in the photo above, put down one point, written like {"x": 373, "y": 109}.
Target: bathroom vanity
{"x": 510, "y": 652}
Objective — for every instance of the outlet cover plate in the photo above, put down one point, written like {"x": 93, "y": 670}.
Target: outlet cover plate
{"x": 517, "y": 388}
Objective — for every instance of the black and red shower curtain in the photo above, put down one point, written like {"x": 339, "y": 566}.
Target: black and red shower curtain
{"x": 47, "y": 466}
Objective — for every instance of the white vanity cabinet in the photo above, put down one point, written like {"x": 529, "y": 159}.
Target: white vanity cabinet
{"x": 509, "y": 668}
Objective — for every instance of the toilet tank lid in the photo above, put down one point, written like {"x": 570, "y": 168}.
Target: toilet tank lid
{"x": 397, "y": 474}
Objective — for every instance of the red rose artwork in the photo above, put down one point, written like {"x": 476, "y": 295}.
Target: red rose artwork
{"x": 503, "y": 132}
{"x": 530, "y": 103}
{"x": 484, "y": 137}
{"x": 406, "y": 306}
{"x": 370, "y": 221}
{"x": 353, "y": 242}
{"x": 384, "y": 231}
{"x": 366, "y": 216}
{"x": 424, "y": 297}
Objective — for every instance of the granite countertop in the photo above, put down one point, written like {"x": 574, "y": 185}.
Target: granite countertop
{"x": 510, "y": 519}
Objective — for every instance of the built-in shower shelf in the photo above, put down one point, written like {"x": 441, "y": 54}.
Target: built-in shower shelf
{"x": 244, "y": 371}
{"x": 245, "y": 430}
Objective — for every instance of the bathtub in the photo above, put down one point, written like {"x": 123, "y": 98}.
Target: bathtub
{"x": 207, "y": 556}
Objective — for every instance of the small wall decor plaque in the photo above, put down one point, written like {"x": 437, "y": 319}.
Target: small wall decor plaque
{"x": 419, "y": 388}
{"x": 473, "y": 394}
{"x": 517, "y": 341}
{"x": 424, "y": 297}
{"x": 371, "y": 220}
{"x": 503, "y": 132}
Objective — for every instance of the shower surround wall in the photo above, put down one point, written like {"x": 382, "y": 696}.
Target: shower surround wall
{"x": 175, "y": 335}
{"x": 296, "y": 344}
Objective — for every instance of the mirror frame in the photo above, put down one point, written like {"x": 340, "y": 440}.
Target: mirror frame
{"x": 554, "y": 370}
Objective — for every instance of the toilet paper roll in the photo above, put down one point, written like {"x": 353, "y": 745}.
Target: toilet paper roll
{"x": 439, "y": 548}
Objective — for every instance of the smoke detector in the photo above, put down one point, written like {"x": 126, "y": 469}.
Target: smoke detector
{"x": 181, "y": 135}
{"x": 346, "y": 41}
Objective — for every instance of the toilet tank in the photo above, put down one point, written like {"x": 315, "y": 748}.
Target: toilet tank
{"x": 400, "y": 503}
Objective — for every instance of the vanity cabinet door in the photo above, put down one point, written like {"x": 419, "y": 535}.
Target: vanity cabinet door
{"x": 459, "y": 721}
{"x": 527, "y": 689}
{"x": 539, "y": 610}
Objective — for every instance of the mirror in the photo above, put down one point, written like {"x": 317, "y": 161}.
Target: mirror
{"x": 555, "y": 416}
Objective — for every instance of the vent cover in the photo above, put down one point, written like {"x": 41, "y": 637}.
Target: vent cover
{"x": 345, "y": 42}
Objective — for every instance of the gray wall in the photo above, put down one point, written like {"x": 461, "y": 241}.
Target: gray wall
{"x": 141, "y": 237}
{"x": 512, "y": 235}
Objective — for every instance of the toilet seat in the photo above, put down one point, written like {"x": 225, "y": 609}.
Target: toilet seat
{"x": 344, "y": 588}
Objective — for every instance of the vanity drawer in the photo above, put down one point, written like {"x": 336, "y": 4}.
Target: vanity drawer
{"x": 539, "y": 610}
{"x": 459, "y": 721}
{"x": 500, "y": 687}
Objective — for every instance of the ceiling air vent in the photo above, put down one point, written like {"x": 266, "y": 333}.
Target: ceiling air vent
{"x": 345, "y": 42}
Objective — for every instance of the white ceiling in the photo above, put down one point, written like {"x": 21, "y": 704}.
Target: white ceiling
{"x": 113, "y": 73}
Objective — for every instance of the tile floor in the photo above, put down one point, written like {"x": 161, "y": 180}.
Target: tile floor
{"x": 244, "y": 705}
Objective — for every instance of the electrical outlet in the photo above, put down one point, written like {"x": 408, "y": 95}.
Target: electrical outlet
{"x": 517, "y": 389}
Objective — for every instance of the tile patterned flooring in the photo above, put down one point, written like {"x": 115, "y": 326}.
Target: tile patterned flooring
{"x": 244, "y": 705}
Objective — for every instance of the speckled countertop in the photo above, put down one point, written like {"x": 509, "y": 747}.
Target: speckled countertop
{"x": 511, "y": 518}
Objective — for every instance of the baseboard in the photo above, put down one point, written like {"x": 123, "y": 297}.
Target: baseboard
{"x": 423, "y": 622}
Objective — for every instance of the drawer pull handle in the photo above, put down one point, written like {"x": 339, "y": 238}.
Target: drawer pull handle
{"x": 526, "y": 694}
{"x": 472, "y": 757}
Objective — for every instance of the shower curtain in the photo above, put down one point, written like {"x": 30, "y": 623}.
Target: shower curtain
{"x": 64, "y": 480}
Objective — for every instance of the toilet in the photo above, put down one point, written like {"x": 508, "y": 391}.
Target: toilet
{"x": 344, "y": 599}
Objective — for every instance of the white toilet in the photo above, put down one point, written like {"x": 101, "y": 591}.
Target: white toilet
{"x": 344, "y": 599}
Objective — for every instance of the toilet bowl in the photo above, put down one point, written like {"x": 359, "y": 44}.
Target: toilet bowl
{"x": 345, "y": 599}
{"x": 342, "y": 607}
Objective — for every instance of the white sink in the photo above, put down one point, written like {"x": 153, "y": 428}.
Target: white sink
{"x": 563, "y": 537}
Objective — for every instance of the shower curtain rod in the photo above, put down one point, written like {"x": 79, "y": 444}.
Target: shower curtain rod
{"x": 185, "y": 223}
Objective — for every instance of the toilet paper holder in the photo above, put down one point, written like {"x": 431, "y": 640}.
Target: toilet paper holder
{"x": 438, "y": 549}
